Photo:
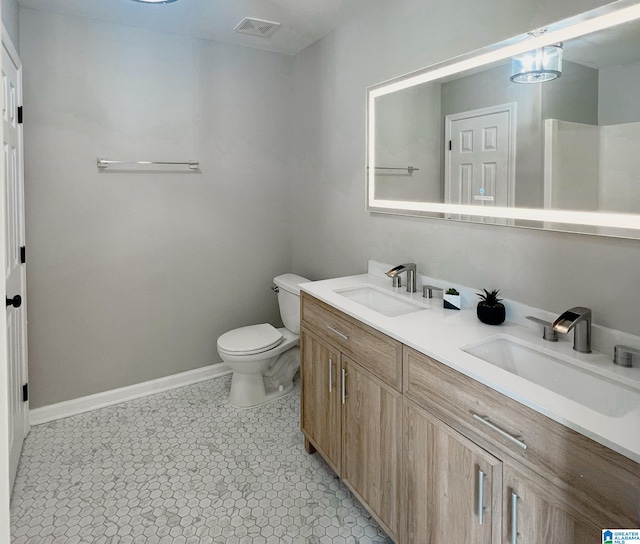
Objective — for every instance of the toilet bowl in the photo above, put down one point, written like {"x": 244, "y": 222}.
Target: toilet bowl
{"x": 265, "y": 359}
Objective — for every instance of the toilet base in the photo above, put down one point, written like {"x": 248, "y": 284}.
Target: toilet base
{"x": 248, "y": 390}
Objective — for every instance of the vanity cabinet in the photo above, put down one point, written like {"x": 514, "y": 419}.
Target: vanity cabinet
{"x": 351, "y": 407}
{"x": 372, "y": 439}
{"x": 459, "y": 492}
{"x": 320, "y": 405}
{"x": 558, "y": 486}
{"x": 534, "y": 513}
{"x": 437, "y": 456}
{"x": 378, "y": 353}
{"x": 453, "y": 487}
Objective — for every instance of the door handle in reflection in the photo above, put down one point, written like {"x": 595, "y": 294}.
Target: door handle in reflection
{"x": 16, "y": 301}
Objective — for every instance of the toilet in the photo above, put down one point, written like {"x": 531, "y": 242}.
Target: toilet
{"x": 264, "y": 360}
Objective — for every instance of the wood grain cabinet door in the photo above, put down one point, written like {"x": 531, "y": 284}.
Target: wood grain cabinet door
{"x": 453, "y": 487}
{"x": 320, "y": 418}
{"x": 372, "y": 442}
{"x": 535, "y": 513}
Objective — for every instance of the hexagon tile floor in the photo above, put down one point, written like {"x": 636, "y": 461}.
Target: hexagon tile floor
{"x": 182, "y": 467}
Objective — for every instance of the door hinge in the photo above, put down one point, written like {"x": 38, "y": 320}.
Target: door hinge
{"x": 23, "y": 254}
{"x": 19, "y": 115}
{"x": 450, "y": 146}
{"x": 25, "y": 392}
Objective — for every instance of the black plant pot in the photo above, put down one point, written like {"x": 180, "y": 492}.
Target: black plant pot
{"x": 491, "y": 315}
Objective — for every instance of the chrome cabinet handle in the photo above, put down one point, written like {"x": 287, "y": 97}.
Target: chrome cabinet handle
{"x": 330, "y": 373}
{"x": 344, "y": 386}
{"x": 343, "y": 336}
{"x": 517, "y": 440}
{"x": 514, "y": 517}
{"x": 481, "y": 476}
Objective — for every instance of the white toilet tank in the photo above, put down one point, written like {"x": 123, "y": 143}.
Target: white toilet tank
{"x": 289, "y": 299}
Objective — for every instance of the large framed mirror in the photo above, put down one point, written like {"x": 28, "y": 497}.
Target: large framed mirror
{"x": 539, "y": 131}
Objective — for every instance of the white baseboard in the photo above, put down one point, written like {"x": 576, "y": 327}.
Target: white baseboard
{"x": 72, "y": 407}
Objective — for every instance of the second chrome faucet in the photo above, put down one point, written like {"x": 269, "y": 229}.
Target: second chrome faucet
{"x": 579, "y": 319}
{"x": 410, "y": 269}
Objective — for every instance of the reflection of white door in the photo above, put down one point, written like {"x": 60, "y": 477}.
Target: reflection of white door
{"x": 14, "y": 240}
{"x": 480, "y": 165}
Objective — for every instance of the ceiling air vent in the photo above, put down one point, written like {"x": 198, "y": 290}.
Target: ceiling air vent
{"x": 257, "y": 27}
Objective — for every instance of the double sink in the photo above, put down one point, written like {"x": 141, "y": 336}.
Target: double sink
{"x": 556, "y": 373}
{"x": 383, "y": 302}
{"x": 597, "y": 389}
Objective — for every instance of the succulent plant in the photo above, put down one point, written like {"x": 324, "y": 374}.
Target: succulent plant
{"x": 452, "y": 291}
{"x": 490, "y": 298}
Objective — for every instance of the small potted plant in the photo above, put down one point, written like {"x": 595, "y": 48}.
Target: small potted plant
{"x": 490, "y": 310}
{"x": 451, "y": 299}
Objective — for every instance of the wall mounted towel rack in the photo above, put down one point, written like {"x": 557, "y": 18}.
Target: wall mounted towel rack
{"x": 105, "y": 163}
{"x": 409, "y": 169}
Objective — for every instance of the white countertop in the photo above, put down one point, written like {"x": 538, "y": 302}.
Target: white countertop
{"x": 440, "y": 334}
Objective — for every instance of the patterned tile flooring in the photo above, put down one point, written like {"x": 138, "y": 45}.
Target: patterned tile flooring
{"x": 182, "y": 467}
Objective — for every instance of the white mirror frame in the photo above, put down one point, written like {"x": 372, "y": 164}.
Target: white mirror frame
{"x": 598, "y": 19}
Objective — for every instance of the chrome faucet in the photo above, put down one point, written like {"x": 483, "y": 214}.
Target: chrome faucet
{"x": 410, "y": 269}
{"x": 577, "y": 318}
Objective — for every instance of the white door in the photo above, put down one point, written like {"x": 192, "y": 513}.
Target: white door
{"x": 15, "y": 273}
{"x": 480, "y": 167}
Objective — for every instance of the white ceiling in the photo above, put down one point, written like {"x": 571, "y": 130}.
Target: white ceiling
{"x": 303, "y": 21}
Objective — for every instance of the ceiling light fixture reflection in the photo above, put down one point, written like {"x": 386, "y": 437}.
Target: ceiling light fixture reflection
{"x": 541, "y": 64}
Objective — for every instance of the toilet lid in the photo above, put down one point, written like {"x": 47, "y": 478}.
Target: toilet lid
{"x": 250, "y": 340}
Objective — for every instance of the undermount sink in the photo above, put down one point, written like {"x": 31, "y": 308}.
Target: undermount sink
{"x": 380, "y": 301}
{"x": 600, "y": 393}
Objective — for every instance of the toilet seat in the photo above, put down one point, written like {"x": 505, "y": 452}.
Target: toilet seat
{"x": 250, "y": 340}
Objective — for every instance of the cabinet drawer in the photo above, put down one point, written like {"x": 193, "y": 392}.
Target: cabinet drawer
{"x": 598, "y": 481}
{"x": 378, "y": 353}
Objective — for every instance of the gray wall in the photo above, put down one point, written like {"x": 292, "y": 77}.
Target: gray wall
{"x": 573, "y": 96}
{"x": 333, "y": 235}
{"x": 619, "y": 94}
{"x": 10, "y": 20}
{"x": 408, "y": 133}
{"x": 133, "y": 276}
